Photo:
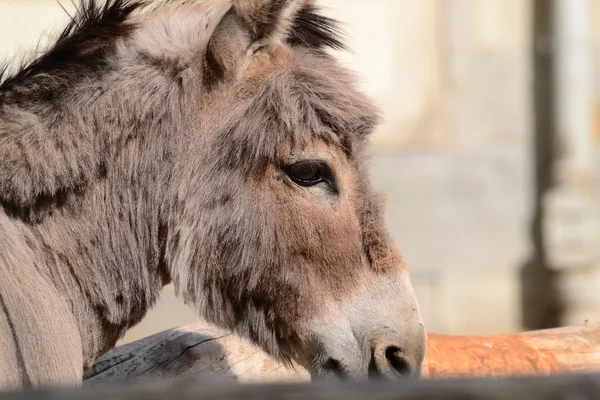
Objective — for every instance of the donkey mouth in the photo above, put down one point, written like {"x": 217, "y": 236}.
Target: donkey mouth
{"x": 331, "y": 369}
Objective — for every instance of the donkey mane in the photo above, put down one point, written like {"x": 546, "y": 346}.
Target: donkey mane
{"x": 86, "y": 43}
{"x": 82, "y": 47}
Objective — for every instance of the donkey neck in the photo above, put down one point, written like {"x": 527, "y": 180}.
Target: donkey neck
{"x": 103, "y": 249}
{"x": 98, "y": 160}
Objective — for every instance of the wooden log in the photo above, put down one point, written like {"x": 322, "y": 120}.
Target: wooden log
{"x": 534, "y": 353}
{"x": 201, "y": 350}
{"x": 189, "y": 352}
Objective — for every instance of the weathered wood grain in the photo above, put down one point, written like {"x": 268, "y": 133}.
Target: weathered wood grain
{"x": 196, "y": 350}
{"x": 202, "y": 351}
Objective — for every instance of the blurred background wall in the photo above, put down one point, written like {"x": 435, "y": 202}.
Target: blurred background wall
{"x": 469, "y": 152}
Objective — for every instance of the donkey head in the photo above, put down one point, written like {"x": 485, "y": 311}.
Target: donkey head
{"x": 273, "y": 208}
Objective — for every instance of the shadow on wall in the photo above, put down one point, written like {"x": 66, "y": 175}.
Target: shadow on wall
{"x": 540, "y": 300}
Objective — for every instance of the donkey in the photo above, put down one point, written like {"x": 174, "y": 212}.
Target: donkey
{"x": 213, "y": 144}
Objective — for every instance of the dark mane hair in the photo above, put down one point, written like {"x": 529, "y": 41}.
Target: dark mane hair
{"x": 314, "y": 30}
{"x": 85, "y": 43}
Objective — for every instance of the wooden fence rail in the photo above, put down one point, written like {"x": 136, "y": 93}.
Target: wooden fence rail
{"x": 200, "y": 350}
{"x": 575, "y": 387}
{"x": 199, "y": 362}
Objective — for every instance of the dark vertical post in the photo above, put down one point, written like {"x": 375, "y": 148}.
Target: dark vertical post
{"x": 540, "y": 302}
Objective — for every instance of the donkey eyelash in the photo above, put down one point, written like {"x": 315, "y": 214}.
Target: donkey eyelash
{"x": 309, "y": 173}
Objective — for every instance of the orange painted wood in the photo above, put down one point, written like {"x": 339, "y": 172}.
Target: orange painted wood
{"x": 543, "y": 352}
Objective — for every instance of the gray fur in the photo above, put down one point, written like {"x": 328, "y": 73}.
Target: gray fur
{"x": 149, "y": 146}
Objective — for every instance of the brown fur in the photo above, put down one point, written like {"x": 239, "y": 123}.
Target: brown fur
{"x": 151, "y": 145}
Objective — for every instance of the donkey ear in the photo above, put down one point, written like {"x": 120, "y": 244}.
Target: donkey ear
{"x": 268, "y": 20}
{"x": 226, "y": 48}
{"x": 250, "y": 24}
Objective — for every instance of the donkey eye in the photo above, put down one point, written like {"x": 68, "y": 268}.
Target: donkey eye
{"x": 308, "y": 173}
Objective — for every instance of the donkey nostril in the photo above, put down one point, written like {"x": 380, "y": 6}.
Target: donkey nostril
{"x": 398, "y": 362}
{"x": 389, "y": 362}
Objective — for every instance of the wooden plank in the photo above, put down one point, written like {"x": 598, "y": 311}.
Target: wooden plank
{"x": 200, "y": 350}
{"x": 579, "y": 387}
